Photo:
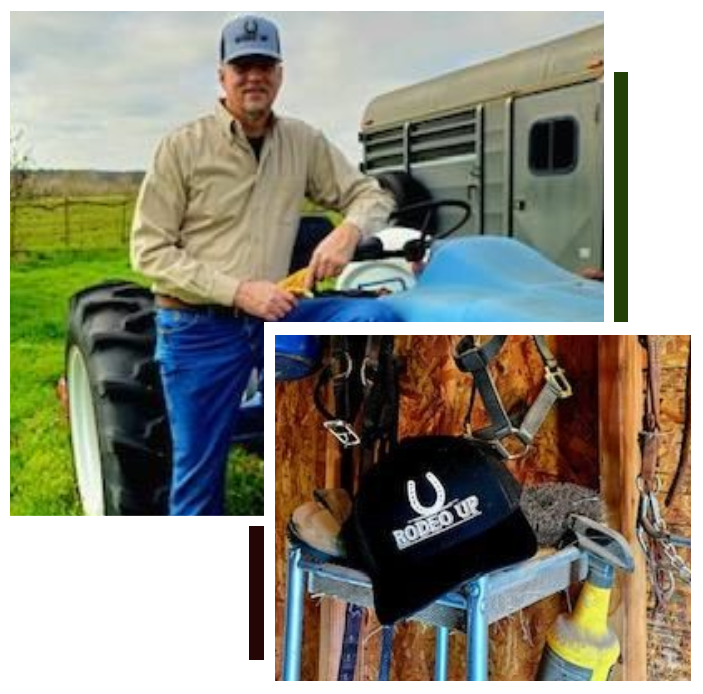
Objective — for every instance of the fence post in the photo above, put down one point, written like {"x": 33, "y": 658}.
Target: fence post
{"x": 66, "y": 224}
{"x": 125, "y": 235}
{"x": 13, "y": 225}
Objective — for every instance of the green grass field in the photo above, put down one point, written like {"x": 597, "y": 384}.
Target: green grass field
{"x": 41, "y": 479}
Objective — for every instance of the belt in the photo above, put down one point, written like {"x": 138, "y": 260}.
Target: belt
{"x": 174, "y": 304}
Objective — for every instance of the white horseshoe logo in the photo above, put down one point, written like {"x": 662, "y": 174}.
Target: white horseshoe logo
{"x": 415, "y": 502}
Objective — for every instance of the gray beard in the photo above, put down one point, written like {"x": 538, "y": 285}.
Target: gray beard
{"x": 255, "y": 115}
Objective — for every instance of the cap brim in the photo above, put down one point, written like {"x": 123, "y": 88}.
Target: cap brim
{"x": 253, "y": 54}
{"x": 405, "y": 589}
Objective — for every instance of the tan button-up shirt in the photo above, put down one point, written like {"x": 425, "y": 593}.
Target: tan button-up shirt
{"x": 209, "y": 215}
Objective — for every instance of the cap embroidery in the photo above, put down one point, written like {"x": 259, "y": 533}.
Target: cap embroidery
{"x": 435, "y": 519}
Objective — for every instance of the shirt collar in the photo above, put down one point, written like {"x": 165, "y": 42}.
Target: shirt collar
{"x": 231, "y": 126}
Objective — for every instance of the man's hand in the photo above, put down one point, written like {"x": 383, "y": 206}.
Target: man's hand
{"x": 264, "y": 300}
{"x": 332, "y": 254}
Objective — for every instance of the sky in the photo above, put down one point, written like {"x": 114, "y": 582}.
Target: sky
{"x": 98, "y": 90}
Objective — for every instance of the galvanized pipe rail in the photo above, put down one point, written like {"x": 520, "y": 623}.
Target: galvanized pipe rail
{"x": 472, "y": 608}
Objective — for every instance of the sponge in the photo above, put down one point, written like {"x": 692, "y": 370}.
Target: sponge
{"x": 547, "y": 508}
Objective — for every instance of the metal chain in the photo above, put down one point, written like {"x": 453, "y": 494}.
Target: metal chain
{"x": 665, "y": 565}
{"x": 677, "y": 564}
{"x": 663, "y": 561}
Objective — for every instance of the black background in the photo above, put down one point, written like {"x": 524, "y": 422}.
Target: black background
{"x": 256, "y": 592}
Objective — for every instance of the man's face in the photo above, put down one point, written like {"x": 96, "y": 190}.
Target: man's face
{"x": 251, "y": 86}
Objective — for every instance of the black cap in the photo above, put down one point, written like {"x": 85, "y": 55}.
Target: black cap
{"x": 435, "y": 513}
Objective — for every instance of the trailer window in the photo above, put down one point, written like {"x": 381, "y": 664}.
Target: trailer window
{"x": 554, "y": 146}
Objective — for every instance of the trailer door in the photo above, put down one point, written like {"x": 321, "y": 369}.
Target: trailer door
{"x": 556, "y": 181}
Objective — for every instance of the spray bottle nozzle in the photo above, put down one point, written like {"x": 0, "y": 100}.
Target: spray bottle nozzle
{"x": 602, "y": 544}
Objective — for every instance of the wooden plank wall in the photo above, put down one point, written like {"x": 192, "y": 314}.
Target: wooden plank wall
{"x": 434, "y": 398}
{"x": 669, "y": 648}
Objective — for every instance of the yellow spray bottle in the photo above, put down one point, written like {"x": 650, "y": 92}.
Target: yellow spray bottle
{"x": 581, "y": 645}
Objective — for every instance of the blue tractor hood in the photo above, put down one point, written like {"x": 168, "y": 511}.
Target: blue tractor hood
{"x": 486, "y": 278}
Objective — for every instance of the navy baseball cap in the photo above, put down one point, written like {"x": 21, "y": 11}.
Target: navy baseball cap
{"x": 438, "y": 511}
{"x": 250, "y": 36}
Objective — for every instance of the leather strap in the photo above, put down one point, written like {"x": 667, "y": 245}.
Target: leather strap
{"x": 379, "y": 378}
{"x": 384, "y": 668}
{"x": 651, "y": 432}
{"x": 350, "y": 645}
{"x": 362, "y": 374}
{"x": 685, "y": 455}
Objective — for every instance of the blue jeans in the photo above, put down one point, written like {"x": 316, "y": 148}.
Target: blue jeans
{"x": 206, "y": 358}
{"x": 332, "y": 310}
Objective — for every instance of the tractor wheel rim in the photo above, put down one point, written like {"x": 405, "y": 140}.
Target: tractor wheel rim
{"x": 84, "y": 435}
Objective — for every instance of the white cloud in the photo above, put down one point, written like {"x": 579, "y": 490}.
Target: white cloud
{"x": 98, "y": 89}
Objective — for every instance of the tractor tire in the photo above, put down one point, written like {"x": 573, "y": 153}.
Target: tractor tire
{"x": 408, "y": 191}
{"x": 119, "y": 428}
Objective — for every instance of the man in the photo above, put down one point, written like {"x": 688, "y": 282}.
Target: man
{"x": 214, "y": 228}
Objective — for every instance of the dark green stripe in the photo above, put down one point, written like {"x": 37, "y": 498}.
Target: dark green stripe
{"x": 620, "y": 199}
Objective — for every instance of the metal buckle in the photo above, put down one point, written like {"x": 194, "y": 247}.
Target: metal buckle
{"x": 556, "y": 378}
{"x": 343, "y": 432}
{"x": 342, "y": 374}
{"x": 513, "y": 446}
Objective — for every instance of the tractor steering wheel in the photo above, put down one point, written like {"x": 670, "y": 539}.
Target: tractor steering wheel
{"x": 414, "y": 251}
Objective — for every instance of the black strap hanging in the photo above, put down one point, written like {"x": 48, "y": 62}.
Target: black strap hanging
{"x": 339, "y": 370}
{"x": 379, "y": 378}
{"x": 364, "y": 376}
{"x": 370, "y": 374}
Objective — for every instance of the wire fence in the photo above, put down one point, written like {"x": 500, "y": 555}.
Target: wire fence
{"x": 47, "y": 224}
